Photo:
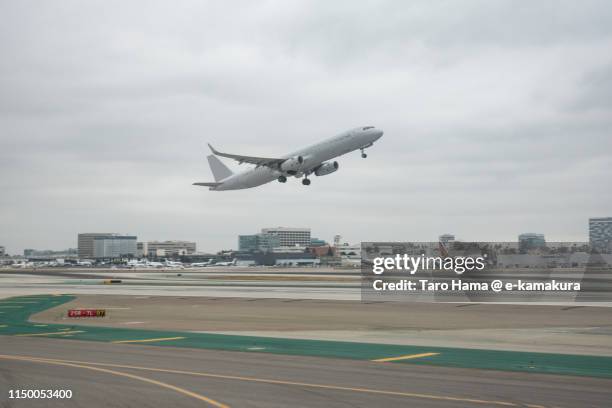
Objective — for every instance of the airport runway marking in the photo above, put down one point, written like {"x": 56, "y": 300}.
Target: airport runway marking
{"x": 49, "y": 334}
{"x": 3, "y": 325}
{"x": 148, "y": 340}
{"x": 407, "y": 357}
{"x": 118, "y": 373}
{"x": 10, "y": 307}
{"x": 292, "y": 383}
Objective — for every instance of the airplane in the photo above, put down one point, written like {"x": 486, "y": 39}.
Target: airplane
{"x": 230, "y": 263}
{"x": 174, "y": 264}
{"x": 200, "y": 264}
{"x": 314, "y": 159}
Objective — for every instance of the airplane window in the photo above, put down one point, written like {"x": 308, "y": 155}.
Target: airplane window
{"x": 368, "y": 127}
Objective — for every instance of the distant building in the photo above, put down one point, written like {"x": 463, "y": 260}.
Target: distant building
{"x": 86, "y": 243}
{"x": 2, "y": 251}
{"x": 349, "y": 254}
{"x": 600, "y": 234}
{"x": 323, "y": 251}
{"x": 142, "y": 249}
{"x": 170, "y": 248}
{"x": 49, "y": 254}
{"x": 279, "y": 259}
{"x": 316, "y": 242}
{"x": 529, "y": 241}
{"x": 116, "y": 246}
{"x": 258, "y": 242}
{"x": 290, "y": 249}
{"x": 290, "y": 236}
{"x": 446, "y": 238}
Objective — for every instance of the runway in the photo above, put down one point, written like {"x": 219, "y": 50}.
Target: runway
{"x": 114, "y": 375}
{"x": 282, "y": 283}
{"x": 548, "y": 329}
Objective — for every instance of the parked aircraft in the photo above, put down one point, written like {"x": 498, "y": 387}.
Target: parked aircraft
{"x": 231, "y": 263}
{"x": 315, "y": 159}
{"x": 200, "y": 264}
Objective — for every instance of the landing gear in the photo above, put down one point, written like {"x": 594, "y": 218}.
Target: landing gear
{"x": 306, "y": 182}
{"x": 363, "y": 154}
{"x": 282, "y": 179}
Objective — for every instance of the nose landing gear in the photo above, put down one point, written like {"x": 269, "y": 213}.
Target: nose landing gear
{"x": 282, "y": 179}
{"x": 363, "y": 154}
{"x": 306, "y": 182}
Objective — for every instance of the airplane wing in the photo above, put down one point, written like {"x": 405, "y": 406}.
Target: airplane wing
{"x": 259, "y": 161}
{"x": 207, "y": 184}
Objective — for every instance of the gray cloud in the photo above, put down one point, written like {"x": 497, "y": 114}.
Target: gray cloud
{"x": 497, "y": 117}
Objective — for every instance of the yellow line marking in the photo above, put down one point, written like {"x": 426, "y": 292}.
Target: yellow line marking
{"x": 3, "y": 325}
{"x": 121, "y": 374}
{"x": 49, "y": 334}
{"x": 295, "y": 383}
{"x": 40, "y": 325}
{"x": 148, "y": 340}
{"x": 408, "y": 357}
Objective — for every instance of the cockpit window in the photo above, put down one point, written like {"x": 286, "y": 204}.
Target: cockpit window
{"x": 367, "y": 127}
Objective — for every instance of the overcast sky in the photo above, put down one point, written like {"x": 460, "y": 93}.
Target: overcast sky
{"x": 497, "y": 117}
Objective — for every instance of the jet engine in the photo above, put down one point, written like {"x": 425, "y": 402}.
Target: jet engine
{"x": 326, "y": 168}
{"x": 292, "y": 165}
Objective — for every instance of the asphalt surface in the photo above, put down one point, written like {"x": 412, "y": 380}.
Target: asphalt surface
{"x": 548, "y": 329}
{"x": 120, "y": 375}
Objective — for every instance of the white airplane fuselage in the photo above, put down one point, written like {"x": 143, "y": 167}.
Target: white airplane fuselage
{"x": 313, "y": 156}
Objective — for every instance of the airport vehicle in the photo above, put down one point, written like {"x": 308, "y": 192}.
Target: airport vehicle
{"x": 315, "y": 159}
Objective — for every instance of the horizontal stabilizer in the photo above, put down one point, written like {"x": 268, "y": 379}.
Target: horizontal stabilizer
{"x": 207, "y": 184}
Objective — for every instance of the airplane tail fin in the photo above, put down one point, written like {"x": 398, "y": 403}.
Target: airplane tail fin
{"x": 219, "y": 170}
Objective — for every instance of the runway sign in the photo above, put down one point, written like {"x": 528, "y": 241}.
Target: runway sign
{"x": 86, "y": 313}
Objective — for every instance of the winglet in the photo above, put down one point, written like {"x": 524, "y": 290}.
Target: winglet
{"x": 212, "y": 149}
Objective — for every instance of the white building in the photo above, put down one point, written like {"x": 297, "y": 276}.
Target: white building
{"x": 446, "y": 238}
{"x": 169, "y": 248}
{"x": 290, "y": 237}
